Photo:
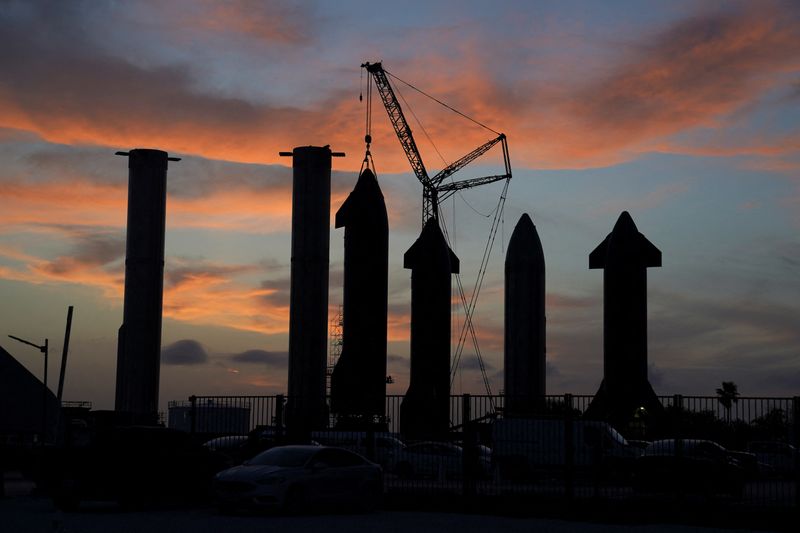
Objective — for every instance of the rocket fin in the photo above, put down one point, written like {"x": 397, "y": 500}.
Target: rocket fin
{"x": 651, "y": 256}
{"x": 597, "y": 259}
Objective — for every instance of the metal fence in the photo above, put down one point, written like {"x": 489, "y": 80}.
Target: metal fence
{"x": 553, "y": 451}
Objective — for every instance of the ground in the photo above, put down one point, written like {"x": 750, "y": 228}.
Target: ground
{"x": 36, "y": 515}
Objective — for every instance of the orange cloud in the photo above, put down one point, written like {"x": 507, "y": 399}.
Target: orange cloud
{"x": 694, "y": 74}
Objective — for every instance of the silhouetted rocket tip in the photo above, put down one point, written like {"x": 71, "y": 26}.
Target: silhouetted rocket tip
{"x": 627, "y": 245}
{"x": 429, "y": 249}
{"x": 366, "y": 195}
{"x": 524, "y": 240}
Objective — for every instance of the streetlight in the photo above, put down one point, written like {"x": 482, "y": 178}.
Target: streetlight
{"x": 44, "y": 350}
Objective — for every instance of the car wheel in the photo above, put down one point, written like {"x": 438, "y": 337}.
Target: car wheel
{"x": 295, "y": 500}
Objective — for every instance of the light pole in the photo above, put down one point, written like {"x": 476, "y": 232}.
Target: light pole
{"x": 44, "y": 350}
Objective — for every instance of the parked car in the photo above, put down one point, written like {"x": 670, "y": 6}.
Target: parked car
{"x": 383, "y": 449}
{"x": 296, "y": 478}
{"x": 528, "y": 447}
{"x": 774, "y": 458}
{"x": 692, "y": 466}
{"x": 439, "y": 460}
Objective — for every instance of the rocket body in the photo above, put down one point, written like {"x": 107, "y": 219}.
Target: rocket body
{"x": 358, "y": 383}
{"x": 624, "y": 257}
{"x": 524, "y": 364}
{"x": 425, "y": 410}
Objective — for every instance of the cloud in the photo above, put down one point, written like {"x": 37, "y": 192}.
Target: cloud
{"x": 273, "y": 22}
{"x": 695, "y": 73}
{"x": 184, "y": 352}
{"x": 261, "y": 357}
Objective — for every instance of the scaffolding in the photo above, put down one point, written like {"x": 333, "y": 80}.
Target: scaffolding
{"x": 335, "y": 349}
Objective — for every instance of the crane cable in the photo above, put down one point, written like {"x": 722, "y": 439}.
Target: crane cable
{"x": 481, "y": 124}
{"x": 469, "y": 309}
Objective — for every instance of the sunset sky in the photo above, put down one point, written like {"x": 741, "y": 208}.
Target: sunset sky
{"x": 684, "y": 113}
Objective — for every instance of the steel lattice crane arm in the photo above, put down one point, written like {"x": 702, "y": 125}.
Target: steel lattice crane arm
{"x": 431, "y": 187}
{"x": 398, "y": 120}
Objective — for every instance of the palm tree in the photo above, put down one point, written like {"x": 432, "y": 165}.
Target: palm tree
{"x": 728, "y": 395}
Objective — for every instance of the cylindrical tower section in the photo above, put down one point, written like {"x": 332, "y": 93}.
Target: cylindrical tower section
{"x": 524, "y": 366}
{"x": 139, "y": 342}
{"x": 308, "y": 308}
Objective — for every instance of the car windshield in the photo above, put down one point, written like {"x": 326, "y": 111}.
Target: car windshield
{"x": 617, "y": 437}
{"x": 283, "y": 457}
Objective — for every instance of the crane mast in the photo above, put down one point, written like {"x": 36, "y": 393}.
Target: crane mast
{"x": 431, "y": 187}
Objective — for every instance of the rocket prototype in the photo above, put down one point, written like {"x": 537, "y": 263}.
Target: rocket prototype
{"x": 139, "y": 341}
{"x": 425, "y": 411}
{"x": 524, "y": 320}
{"x": 358, "y": 383}
{"x": 625, "y": 256}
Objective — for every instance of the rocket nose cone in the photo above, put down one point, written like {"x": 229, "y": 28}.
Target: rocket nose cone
{"x": 368, "y": 184}
{"x": 367, "y": 174}
{"x": 525, "y": 220}
{"x": 625, "y": 224}
{"x": 524, "y": 239}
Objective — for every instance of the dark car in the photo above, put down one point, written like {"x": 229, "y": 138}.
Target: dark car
{"x": 775, "y": 459}
{"x": 688, "y": 466}
{"x": 297, "y": 478}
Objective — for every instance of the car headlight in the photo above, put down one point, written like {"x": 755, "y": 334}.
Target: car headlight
{"x": 270, "y": 479}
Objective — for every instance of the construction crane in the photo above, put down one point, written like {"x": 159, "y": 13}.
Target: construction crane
{"x": 435, "y": 190}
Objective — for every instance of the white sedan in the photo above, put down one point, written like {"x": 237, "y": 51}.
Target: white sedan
{"x": 298, "y": 477}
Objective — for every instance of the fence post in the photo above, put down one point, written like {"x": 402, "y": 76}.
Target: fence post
{"x": 192, "y": 415}
{"x": 677, "y": 404}
{"x": 796, "y": 439}
{"x": 469, "y": 450}
{"x": 279, "y": 411}
{"x": 569, "y": 450}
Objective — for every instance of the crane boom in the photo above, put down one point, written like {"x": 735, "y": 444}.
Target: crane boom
{"x": 431, "y": 187}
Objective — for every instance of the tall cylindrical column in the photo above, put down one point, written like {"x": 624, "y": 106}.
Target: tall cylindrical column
{"x": 139, "y": 342}
{"x": 308, "y": 307}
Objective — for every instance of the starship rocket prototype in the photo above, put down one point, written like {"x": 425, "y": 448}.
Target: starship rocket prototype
{"x": 624, "y": 256}
{"x": 524, "y": 320}
{"x": 358, "y": 383}
{"x": 425, "y": 411}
